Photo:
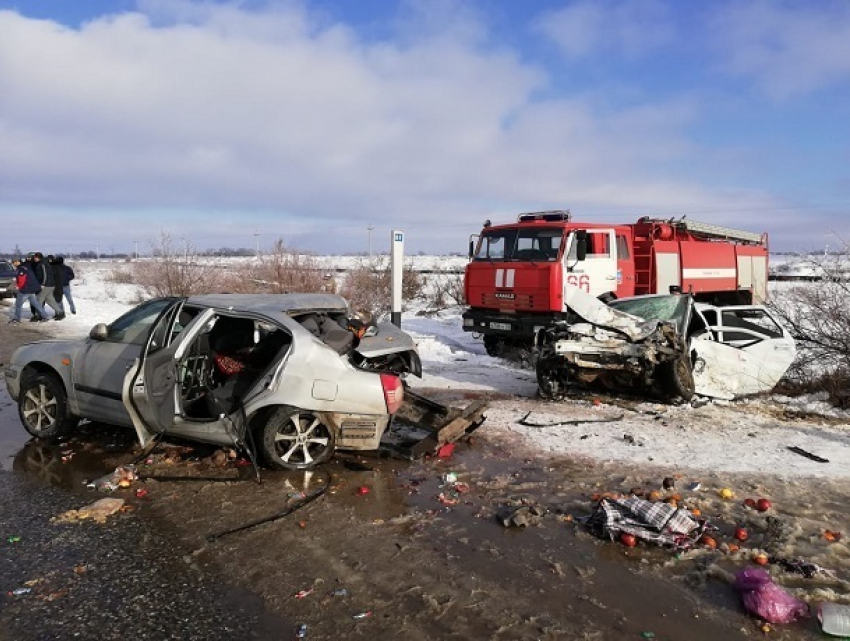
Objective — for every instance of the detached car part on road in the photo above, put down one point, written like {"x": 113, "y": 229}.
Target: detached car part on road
{"x": 667, "y": 345}
{"x": 287, "y": 371}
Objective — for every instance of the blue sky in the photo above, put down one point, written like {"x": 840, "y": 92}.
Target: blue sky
{"x": 310, "y": 121}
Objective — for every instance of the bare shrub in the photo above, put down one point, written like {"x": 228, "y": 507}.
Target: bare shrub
{"x": 445, "y": 290}
{"x": 121, "y": 275}
{"x": 175, "y": 273}
{"x": 818, "y": 316}
{"x": 282, "y": 271}
{"x": 368, "y": 286}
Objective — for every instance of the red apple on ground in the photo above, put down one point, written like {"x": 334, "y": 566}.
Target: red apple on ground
{"x": 628, "y": 540}
{"x": 741, "y": 534}
{"x": 763, "y": 505}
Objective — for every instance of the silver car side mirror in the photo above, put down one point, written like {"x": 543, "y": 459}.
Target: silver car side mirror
{"x": 99, "y": 332}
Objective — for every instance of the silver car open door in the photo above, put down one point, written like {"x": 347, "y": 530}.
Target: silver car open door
{"x": 151, "y": 390}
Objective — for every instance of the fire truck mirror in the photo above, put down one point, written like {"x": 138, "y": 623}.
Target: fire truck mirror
{"x": 581, "y": 244}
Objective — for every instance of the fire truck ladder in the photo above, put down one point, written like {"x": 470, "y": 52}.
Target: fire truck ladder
{"x": 715, "y": 231}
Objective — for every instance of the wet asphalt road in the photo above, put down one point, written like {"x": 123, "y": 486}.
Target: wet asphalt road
{"x": 124, "y": 579}
{"x": 116, "y": 580}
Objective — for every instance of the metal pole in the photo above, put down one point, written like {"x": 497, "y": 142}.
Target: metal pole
{"x": 397, "y": 258}
{"x": 369, "y": 229}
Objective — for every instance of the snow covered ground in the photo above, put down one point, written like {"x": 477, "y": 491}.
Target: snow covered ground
{"x": 751, "y": 436}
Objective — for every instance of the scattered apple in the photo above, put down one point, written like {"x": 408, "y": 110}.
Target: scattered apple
{"x": 763, "y": 505}
{"x": 726, "y": 493}
{"x": 741, "y": 534}
{"x": 760, "y": 558}
{"x": 750, "y": 503}
{"x": 708, "y": 541}
{"x": 628, "y": 540}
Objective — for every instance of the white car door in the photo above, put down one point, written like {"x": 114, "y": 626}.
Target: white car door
{"x": 746, "y": 352}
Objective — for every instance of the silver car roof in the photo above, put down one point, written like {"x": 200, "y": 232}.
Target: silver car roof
{"x": 272, "y": 304}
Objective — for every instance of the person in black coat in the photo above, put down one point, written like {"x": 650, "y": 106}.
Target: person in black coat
{"x": 68, "y": 273}
{"x": 44, "y": 274}
{"x": 58, "y": 280}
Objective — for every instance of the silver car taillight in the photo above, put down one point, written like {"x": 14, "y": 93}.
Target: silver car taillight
{"x": 393, "y": 392}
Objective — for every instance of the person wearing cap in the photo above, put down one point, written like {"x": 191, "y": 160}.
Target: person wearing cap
{"x": 28, "y": 287}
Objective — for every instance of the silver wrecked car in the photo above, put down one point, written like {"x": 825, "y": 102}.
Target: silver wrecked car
{"x": 290, "y": 373}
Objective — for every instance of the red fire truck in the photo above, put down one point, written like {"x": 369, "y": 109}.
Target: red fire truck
{"x": 519, "y": 274}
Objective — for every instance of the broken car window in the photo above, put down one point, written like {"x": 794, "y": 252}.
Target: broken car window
{"x": 660, "y": 308}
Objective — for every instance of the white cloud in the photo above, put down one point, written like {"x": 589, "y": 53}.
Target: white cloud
{"x": 592, "y": 27}
{"x": 285, "y": 120}
{"x": 786, "y": 50}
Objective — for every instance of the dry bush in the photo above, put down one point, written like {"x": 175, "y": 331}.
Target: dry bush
{"x": 367, "y": 289}
{"x": 818, "y": 316}
{"x": 121, "y": 275}
{"x": 368, "y": 286}
{"x": 445, "y": 290}
{"x": 175, "y": 273}
{"x": 282, "y": 271}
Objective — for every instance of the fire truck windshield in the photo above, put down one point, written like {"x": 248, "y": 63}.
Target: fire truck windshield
{"x": 520, "y": 244}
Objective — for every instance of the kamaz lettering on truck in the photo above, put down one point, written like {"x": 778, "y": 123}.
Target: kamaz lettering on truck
{"x": 520, "y": 275}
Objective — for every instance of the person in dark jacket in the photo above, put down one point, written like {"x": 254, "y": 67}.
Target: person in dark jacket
{"x": 69, "y": 275}
{"x": 58, "y": 281}
{"x": 28, "y": 286}
{"x": 44, "y": 275}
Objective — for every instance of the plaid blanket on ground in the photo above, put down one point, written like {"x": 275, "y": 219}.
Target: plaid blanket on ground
{"x": 655, "y": 522}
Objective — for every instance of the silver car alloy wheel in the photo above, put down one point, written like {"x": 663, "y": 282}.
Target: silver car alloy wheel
{"x": 302, "y": 440}
{"x": 40, "y": 408}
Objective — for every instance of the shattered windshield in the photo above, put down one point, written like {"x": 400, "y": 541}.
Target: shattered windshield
{"x": 658, "y": 308}
{"x": 538, "y": 244}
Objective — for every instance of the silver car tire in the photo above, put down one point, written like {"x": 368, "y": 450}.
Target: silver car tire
{"x": 295, "y": 439}
{"x": 43, "y": 407}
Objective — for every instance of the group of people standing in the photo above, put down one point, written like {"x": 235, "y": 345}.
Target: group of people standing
{"x": 43, "y": 282}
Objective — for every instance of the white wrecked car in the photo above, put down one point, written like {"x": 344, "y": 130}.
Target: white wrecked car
{"x": 290, "y": 373}
{"x": 667, "y": 345}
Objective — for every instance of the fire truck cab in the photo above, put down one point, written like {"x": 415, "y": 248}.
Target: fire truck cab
{"x": 520, "y": 275}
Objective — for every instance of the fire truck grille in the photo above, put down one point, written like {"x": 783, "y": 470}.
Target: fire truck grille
{"x": 518, "y": 301}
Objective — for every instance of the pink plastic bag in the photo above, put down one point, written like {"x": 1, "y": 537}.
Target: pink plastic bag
{"x": 766, "y": 600}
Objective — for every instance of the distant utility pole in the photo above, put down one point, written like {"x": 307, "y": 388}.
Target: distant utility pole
{"x": 369, "y": 229}
{"x": 135, "y": 249}
{"x": 257, "y": 243}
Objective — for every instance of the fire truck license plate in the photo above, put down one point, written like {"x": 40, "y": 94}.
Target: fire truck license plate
{"x": 503, "y": 326}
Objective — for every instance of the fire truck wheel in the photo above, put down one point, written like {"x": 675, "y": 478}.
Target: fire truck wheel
{"x": 494, "y": 345}
{"x": 677, "y": 377}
